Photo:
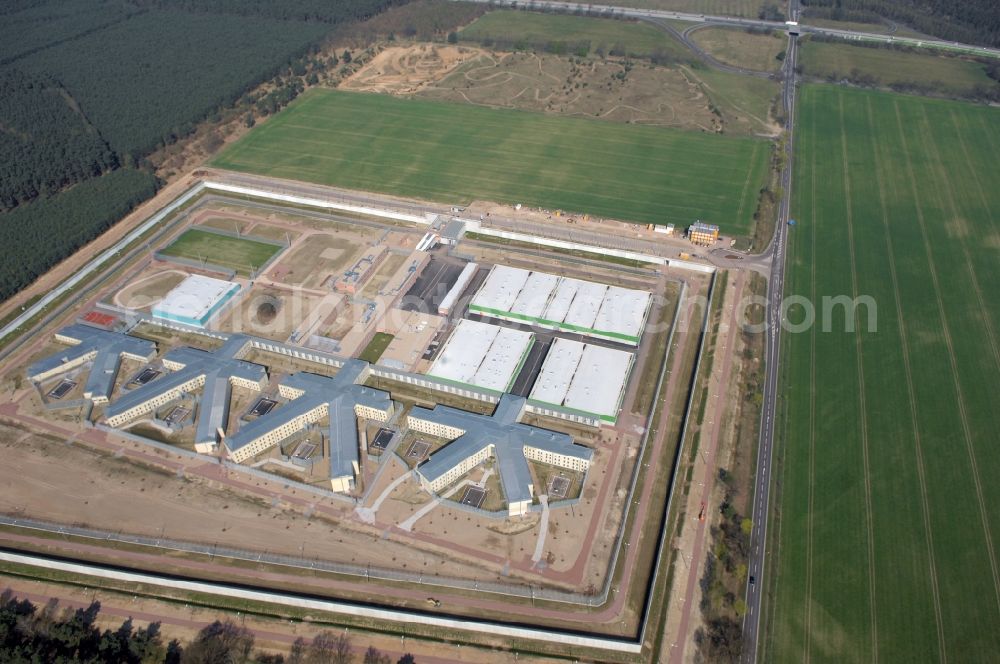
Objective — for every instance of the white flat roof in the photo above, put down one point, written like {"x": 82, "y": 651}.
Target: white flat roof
{"x": 503, "y": 359}
{"x": 584, "y": 377}
{"x": 623, "y": 311}
{"x": 464, "y": 352}
{"x": 562, "y": 299}
{"x": 483, "y": 355}
{"x": 193, "y": 298}
{"x": 582, "y": 306}
{"x": 557, "y": 371}
{"x": 534, "y": 296}
{"x": 501, "y": 288}
{"x": 586, "y": 303}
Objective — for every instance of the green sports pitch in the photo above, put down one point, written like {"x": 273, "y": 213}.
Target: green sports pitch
{"x": 457, "y": 153}
{"x": 240, "y": 254}
{"x": 885, "y": 547}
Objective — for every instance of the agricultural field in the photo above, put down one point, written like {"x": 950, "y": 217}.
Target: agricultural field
{"x": 887, "y": 67}
{"x": 567, "y": 34}
{"x": 887, "y": 536}
{"x": 240, "y": 254}
{"x": 751, "y": 50}
{"x": 421, "y": 149}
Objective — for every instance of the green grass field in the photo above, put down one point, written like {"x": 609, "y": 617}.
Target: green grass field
{"x": 240, "y": 254}
{"x": 889, "y": 67}
{"x": 376, "y": 347}
{"x": 457, "y": 153}
{"x": 741, "y": 48}
{"x": 887, "y": 539}
{"x": 531, "y": 30}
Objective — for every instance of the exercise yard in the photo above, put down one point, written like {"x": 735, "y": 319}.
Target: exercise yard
{"x": 240, "y": 254}
{"x": 422, "y": 149}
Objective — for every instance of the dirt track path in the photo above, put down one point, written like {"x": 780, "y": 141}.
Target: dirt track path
{"x": 680, "y": 615}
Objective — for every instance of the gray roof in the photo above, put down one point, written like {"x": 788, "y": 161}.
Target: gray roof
{"x": 505, "y": 433}
{"x": 218, "y": 368}
{"x": 109, "y": 346}
{"x": 454, "y": 229}
{"x": 340, "y": 393}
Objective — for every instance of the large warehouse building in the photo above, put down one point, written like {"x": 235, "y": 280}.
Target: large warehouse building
{"x": 562, "y": 303}
{"x": 584, "y": 377}
{"x": 195, "y": 300}
{"x": 482, "y": 355}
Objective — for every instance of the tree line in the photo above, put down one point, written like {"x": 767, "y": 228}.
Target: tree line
{"x": 979, "y": 92}
{"x": 968, "y": 21}
{"x": 71, "y": 636}
{"x": 321, "y": 11}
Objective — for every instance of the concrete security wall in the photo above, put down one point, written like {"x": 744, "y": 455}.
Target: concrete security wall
{"x": 328, "y": 606}
{"x": 318, "y": 202}
{"x": 476, "y": 227}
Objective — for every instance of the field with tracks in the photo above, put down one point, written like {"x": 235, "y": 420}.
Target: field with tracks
{"x": 887, "y": 540}
{"x": 456, "y": 153}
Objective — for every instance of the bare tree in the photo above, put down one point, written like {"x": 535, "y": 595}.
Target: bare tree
{"x": 327, "y": 648}
{"x": 374, "y": 656}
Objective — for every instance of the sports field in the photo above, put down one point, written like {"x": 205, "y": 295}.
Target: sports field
{"x": 457, "y": 153}
{"x": 887, "y": 539}
{"x": 240, "y": 254}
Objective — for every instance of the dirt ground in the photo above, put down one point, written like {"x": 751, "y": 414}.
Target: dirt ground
{"x": 143, "y": 293}
{"x": 408, "y": 69}
{"x": 609, "y": 90}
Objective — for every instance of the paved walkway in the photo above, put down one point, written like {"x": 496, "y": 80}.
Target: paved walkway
{"x": 543, "y": 529}
{"x": 367, "y": 514}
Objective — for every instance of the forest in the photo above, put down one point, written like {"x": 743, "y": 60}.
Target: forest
{"x": 88, "y": 87}
{"x": 47, "y": 144}
{"x": 968, "y": 21}
{"x": 71, "y": 636}
{"x": 37, "y": 236}
{"x": 322, "y": 11}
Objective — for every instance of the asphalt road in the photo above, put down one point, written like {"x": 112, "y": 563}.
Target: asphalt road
{"x": 631, "y": 12}
{"x": 776, "y": 287}
{"x": 684, "y": 36}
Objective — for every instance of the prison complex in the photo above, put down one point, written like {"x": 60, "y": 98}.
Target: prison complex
{"x": 312, "y": 397}
{"x": 562, "y": 303}
{"x": 475, "y": 438}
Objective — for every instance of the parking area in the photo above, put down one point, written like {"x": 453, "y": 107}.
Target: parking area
{"x": 432, "y": 284}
